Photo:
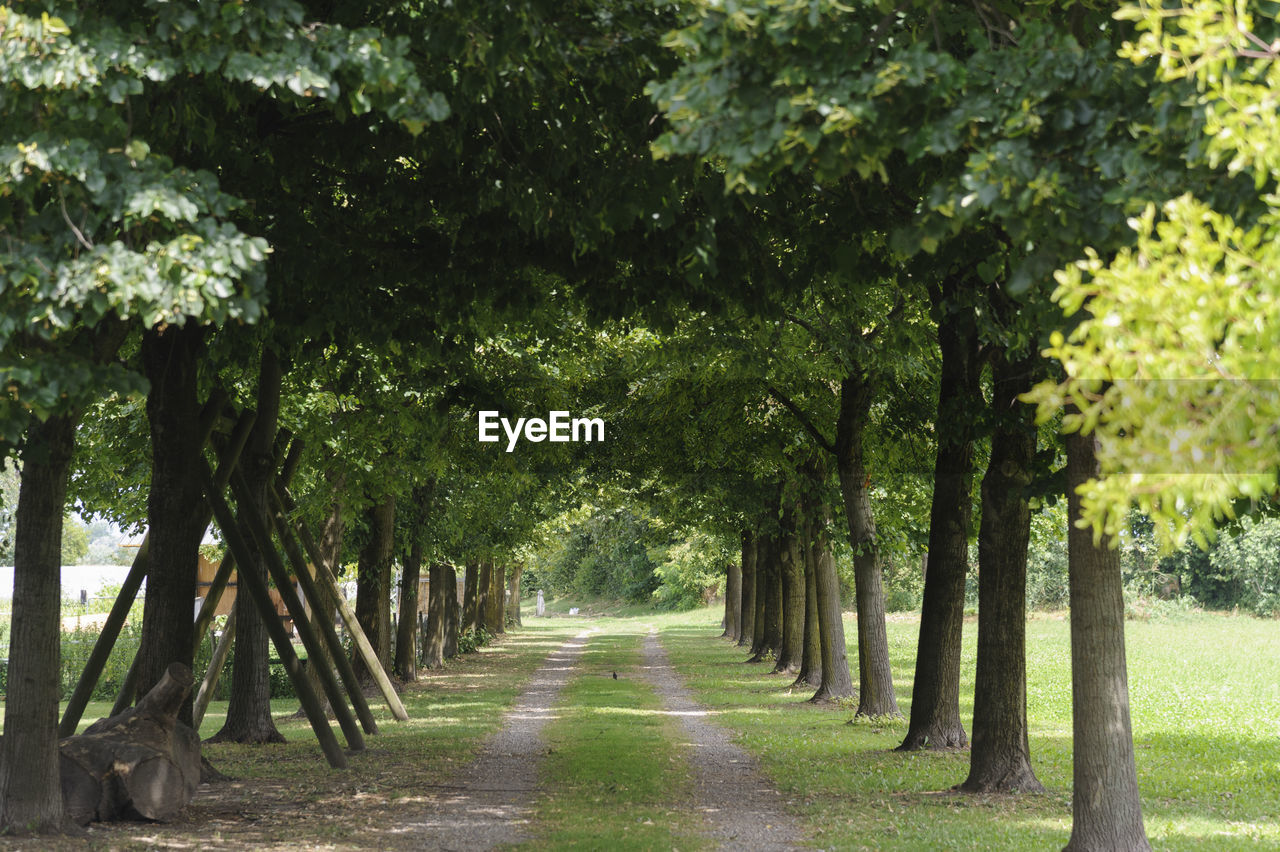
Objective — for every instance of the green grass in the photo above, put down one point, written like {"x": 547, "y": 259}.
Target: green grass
{"x": 614, "y": 776}
{"x": 1206, "y": 712}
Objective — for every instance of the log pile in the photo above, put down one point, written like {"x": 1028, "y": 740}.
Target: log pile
{"x": 139, "y": 764}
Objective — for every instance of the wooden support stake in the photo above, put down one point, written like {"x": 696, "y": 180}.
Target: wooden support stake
{"x": 327, "y": 632}
{"x": 257, "y": 586}
{"x": 106, "y": 641}
{"x": 362, "y": 645}
{"x": 211, "y": 675}
{"x": 239, "y": 437}
{"x": 313, "y": 643}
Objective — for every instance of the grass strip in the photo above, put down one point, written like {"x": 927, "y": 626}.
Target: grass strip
{"x": 614, "y": 777}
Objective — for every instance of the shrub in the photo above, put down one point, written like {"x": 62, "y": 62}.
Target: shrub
{"x": 1252, "y": 559}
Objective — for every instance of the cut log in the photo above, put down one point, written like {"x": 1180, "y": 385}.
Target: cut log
{"x": 139, "y": 764}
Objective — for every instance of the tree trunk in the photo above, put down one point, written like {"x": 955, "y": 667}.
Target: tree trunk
{"x": 141, "y": 764}
{"x": 249, "y": 710}
{"x": 1000, "y": 759}
{"x": 811, "y": 660}
{"x": 1106, "y": 808}
{"x": 935, "y": 696}
{"x": 470, "y": 591}
{"x": 495, "y": 611}
{"x": 30, "y": 788}
{"x": 791, "y": 649}
{"x": 836, "y": 682}
{"x": 175, "y": 505}
{"x": 772, "y": 608}
{"x": 513, "y": 589}
{"x": 766, "y": 552}
{"x": 875, "y": 677}
{"x": 438, "y": 589}
{"x": 733, "y": 597}
{"x": 407, "y": 628}
{"x": 373, "y": 583}
{"x": 452, "y": 625}
{"x": 747, "y": 611}
{"x": 484, "y": 581}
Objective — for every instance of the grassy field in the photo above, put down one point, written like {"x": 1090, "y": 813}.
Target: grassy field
{"x": 1206, "y": 715}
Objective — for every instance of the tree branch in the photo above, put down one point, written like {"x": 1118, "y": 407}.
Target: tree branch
{"x": 823, "y": 341}
{"x": 808, "y": 424}
{"x": 898, "y": 304}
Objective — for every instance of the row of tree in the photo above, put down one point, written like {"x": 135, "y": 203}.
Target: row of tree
{"x": 307, "y": 243}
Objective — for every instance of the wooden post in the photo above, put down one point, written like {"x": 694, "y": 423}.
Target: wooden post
{"x": 315, "y": 647}
{"x": 257, "y": 587}
{"x": 106, "y": 641}
{"x": 228, "y": 564}
{"x": 362, "y": 645}
{"x": 327, "y": 631}
{"x": 211, "y": 675}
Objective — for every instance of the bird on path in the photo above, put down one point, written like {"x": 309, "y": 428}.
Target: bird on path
{"x": 615, "y": 675}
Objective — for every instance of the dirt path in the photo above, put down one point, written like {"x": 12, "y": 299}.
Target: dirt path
{"x": 494, "y": 794}
{"x": 744, "y": 809}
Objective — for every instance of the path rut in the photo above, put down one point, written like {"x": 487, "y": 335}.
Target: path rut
{"x": 744, "y": 809}
{"x": 494, "y": 794}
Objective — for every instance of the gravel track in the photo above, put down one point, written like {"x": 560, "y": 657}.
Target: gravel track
{"x": 494, "y": 794}
{"x": 744, "y": 809}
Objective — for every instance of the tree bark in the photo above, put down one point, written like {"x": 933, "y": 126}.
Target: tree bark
{"x": 733, "y": 597}
{"x": 249, "y": 710}
{"x": 513, "y": 589}
{"x": 175, "y": 505}
{"x": 438, "y": 589}
{"x": 766, "y": 547}
{"x": 407, "y": 628}
{"x": 373, "y": 583}
{"x": 484, "y": 582}
{"x": 836, "y": 682}
{"x": 1106, "y": 808}
{"x": 1000, "y": 759}
{"x": 495, "y": 612}
{"x": 791, "y": 649}
{"x": 811, "y": 660}
{"x": 935, "y": 696}
{"x": 470, "y": 589}
{"x": 452, "y": 625}
{"x": 747, "y": 610}
{"x": 875, "y": 677}
{"x": 772, "y": 601}
{"x": 30, "y": 786}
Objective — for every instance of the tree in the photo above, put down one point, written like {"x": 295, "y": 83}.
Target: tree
{"x": 1177, "y": 407}
{"x": 97, "y": 230}
{"x": 1105, "y": 806}
{"x": 249, "y": 708}
{"x": 1000, "y": 757}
